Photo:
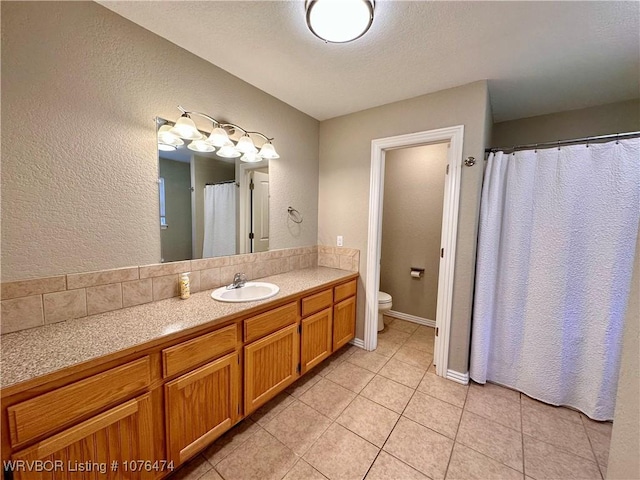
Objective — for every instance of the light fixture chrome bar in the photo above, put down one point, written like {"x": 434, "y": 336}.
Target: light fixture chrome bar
{"x": 221, "y": 124}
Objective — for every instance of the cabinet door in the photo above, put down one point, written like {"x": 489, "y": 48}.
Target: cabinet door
{"x": 122, "y": 434}
{"x": 344, "y": 322}
{"x": 316, "y": 339}
{"x": 270, "y": 365}
{"x": 200, "y": 406}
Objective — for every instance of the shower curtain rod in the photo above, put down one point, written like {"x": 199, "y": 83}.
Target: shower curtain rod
{"x": 560, "y": 143}
{"x": 222, "y": 183}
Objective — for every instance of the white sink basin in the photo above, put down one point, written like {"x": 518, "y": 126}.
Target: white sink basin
{"x": 251, "y": 292}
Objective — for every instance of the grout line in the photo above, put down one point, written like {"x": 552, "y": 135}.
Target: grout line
{"x": 455, "y": 438}
{"x": 586, "y": 432}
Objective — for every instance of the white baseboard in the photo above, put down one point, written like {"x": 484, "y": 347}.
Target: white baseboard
{"x": 411, "y": 318}
{"x": 357, "y": 342}
{"x": 462, "y": 378}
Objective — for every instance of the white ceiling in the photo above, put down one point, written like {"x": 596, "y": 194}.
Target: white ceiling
{"x": 539, "y": 57}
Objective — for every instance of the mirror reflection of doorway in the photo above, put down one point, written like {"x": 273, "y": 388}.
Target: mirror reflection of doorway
{"x": 260, "y": 210}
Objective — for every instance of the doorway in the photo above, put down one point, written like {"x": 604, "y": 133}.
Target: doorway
{"x": 379, "y": 147}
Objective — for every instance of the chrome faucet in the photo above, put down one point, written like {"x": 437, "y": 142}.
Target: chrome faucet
{"x": 239, "y": 281}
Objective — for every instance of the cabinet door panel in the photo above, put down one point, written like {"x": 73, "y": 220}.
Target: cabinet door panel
{"x": 316, "y": 339}
{"x": 271, "y": 364}
{"x": 344, "y": 322}
{"x": 200, "y": 406}
{"x": 124, "y": 433}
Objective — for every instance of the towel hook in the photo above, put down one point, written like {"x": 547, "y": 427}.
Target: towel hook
{"x": 294, "y": 215}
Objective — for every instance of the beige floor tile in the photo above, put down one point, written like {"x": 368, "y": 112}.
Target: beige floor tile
{"x": 420, "y": 343}
{"x": 493, "y": 390}
{"x": 424, "y": 332}
{"x": 371, "y": 361}
{"x": 339, "y": 357}
{"x": 420, "y": 447}
{"x": 434, "y": 414}
{"x": 402, "y": 373}
{"x": 549, "y": 427}
{"x": 303, "y": 471}
{"x": 194, "y": 469}
{"x": 388, "y": 467}
{"x": 602, "y": 427}
{"x": 443, "y": 389}
{"x": 494, "y": 406}
{"x": 211, "y": 475}
{"x": 404, "y": 326}
{"x": 543, "y": 461}
{"x": 414, "y": 357}
{"x": 467, "y": 464}
{"x": 231, "y": 440}
{"x": 388, "y": 393}
{"x": 341, "y": 454}
{"x": 387, "y": 320}
{"x": 298, "y": 426}
{"x": 369, "y": 420}
{"x": 328, "y": 398}
{"x": 550, "y": 410}
{"x": 273, "y": 407}
{"x": 303, "y": 384}
{"x": 350, "y": 376}
{"x": 600, "y": 444}
{"x": 492, "y": 439}
{"x": 261, "y": 457}
{"x": 387, "y": 348}
{"x": 392, "y": 335}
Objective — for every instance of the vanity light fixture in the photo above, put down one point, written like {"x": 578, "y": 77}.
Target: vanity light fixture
{"x": 185, "y": 128}
{"x": 339, "y": 21}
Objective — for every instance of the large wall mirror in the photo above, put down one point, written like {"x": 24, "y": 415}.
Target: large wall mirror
{"x": 210, "y": 205}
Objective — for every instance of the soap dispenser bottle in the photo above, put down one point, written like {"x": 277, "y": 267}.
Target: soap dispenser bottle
{"x": 185, "y": 287}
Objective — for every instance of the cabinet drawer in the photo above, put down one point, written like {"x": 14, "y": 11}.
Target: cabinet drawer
{"x": 344, "y": 291}
{"x": 45, "y": 413}
{"x": 316, "y": 302}
{"x": 270, "y": 321}
{"x": 186, "y": 355}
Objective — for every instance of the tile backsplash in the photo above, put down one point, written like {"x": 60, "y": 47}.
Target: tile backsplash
{"x": 39, "y": 301}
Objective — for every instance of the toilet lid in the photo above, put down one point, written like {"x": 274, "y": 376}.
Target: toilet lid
{"x": 384, "y": 297}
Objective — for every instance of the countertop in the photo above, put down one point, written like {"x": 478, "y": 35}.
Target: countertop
{"x": 39, "y": 351}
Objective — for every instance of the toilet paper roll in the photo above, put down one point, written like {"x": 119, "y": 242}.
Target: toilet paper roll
{"x": 415, "y": 274}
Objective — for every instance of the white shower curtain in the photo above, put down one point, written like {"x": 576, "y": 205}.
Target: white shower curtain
{"x": 219, "y": 220}
{"x": 556, "y": 248}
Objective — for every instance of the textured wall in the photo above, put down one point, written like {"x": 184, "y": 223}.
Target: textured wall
{"x": 624, "y": 462}
{"x": 80, "y": 89}
{"x": 345, "y": 164}
{"x": 604, "y": 119}
{"x": 412, "y": 227}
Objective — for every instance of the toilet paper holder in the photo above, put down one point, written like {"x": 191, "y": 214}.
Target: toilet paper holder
{"x": 417, "y": 272}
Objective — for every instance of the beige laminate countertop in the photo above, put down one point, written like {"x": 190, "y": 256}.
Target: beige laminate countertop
{"x": 39, "y": 351}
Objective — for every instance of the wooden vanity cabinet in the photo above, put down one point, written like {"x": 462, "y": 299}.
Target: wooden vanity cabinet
{"x": 123, "y": 434}
{"x": 200, "y": 406}
{"x": 344, "y": 315}
{"x": 316, "y": 339}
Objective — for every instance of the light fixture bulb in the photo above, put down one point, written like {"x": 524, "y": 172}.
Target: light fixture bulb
{"x": 251, "y": 157}
{"x": 186, "y": 128}
{"x": 268, "y": 151}
{"x": 245, "y": 145}
{"x": 339, "y": 21}
{"x": 228, "y": 151}
{"x": 165, "y": 136}
{"x": 201, "y": 146}
{"x": 218, "y": 137}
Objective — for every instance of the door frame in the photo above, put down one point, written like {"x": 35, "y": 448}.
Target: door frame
{"x": 243, "y": 177}
{"x": 455, "y": 136}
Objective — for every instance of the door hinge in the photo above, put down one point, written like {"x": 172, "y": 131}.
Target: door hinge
{"x": 442, "y": 253}
{"x": 238, "y": 408}
{"x": 251, "y": 236}
{"x": 8, "y": 473}
{"x": 437, "y": 331}
{"x": 251, "y": 185}
{"x": 299, "y": 328}
{"x": 299, "y": 368}
{"x": 447, "y": 169}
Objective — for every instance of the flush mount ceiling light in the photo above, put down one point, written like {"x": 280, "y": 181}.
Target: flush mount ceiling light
{"x": 339, "y": 21}
{"x": 169, "y": 138}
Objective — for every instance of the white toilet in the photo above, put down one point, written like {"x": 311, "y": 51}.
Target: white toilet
{"x": 384, "y": 305}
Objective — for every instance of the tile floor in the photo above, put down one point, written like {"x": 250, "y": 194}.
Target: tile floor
{"x": 385, "y": 415}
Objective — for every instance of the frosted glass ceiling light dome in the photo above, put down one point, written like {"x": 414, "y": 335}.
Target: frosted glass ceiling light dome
{"x": 219, "y": 138}
{"x": 185, "y": 128}
{"x": 268, "y": 151}
{"x": 228, "y": 152}
{"x": 200, "y": 146}
{"x": 245, "y": 145}
{"x": 339, "y": 21}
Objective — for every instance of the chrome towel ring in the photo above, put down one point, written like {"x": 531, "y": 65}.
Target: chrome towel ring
{"x": 294, "y": 215}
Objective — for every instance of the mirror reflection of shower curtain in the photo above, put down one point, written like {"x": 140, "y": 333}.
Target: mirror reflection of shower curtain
{"x": 219, "y": 220}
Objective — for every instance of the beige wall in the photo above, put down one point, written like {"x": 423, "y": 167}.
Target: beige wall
{"x": 412, "y": 226}
{"x": 345, "y": 163}
{"x": 80, "y": 89}
{"x": 624, "y": 462}
{"x": 601, "y": 120}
